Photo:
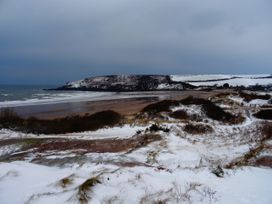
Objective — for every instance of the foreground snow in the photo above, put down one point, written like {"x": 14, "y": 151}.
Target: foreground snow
{"x": 178, "y": 168}
{"x": 118, "y": 132}
{"x": 40, "y": 184}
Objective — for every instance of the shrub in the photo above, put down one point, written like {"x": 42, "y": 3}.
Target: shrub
{"x": 252, "y": 96}
{"x": 264, "y": 114}
{"x": 211, "y": 110}
{"x": 61, "y": 125}
{"x": 161, "y": 106}
{"x": 156, "y": 128}
{"x": 218, "y": 171}
{"x": 197, "y": 128}
{"x": 9, "y": 119}
{"x": 179, "y": 114}
{"x": 266, "y": 130}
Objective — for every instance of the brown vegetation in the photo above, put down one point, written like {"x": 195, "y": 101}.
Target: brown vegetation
{"x": 85, "y": 188}
{"x": 97, "y": 146}
{"x": 212, "y": 111}
{"x": 179, "y": 114}
{"x": 264, "y": 161}
{"x": 156, "y": 128}
{"x": 100, "y": 146}
{"x": 197, "y": 128}
{"x": 252, "y": 96}
{"x": 9, "y": 120}
{"x": 250, "y": 158}
{"x": 265, "y": 114}
{"x": 161, "y": 106}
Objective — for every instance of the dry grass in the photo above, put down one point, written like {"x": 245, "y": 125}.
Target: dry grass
{"x": 66, "y": 182}
{"x": 162, "y": 106}
{"x": 198, "y": 128}
{"x": 9, "y": 120}
{"x": 252, "y": 96}
{"x": 180, "y": 114}
{"x": 211, "y": 110}
{"x": 85, "y": 188}
{"x": 264, "y": 161}
{"x": 37, "y": 145}
{"x": 250, "y": 157}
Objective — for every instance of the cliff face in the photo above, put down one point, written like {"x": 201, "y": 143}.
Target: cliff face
{"x": 126, "y": 83}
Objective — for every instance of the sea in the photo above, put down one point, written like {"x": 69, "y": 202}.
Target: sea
{"x": 22, "y": 95}
{"x": 29, "y": 95}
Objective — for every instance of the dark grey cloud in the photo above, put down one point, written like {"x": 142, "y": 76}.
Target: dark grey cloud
{"x": 57, "y": 40}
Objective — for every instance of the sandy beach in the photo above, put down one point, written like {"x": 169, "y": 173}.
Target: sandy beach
{"x": 127, "y": 105}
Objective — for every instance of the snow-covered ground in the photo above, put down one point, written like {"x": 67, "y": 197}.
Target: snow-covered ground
{"x": 23, "y": 182}
{"x": 122, "y": 132}
{"x": 179, "y": 168}
{"x": 232, "y": 80}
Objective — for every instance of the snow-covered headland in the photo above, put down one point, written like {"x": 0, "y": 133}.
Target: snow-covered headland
{"x": 125, "y": 83}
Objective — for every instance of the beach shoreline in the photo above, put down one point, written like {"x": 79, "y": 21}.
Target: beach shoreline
{"x": 125, "y": 105}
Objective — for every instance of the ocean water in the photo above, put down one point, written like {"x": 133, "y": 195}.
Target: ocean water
{"x": 15, "y": 95}
{"x": 23, "y": 92}
{"x": 26, "y": 95}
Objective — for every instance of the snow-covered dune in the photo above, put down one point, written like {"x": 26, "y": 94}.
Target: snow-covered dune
{"x": 222, "y": 162}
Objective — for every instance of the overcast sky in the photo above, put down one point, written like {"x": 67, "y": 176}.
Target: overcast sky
{"x": 54, "y": 41}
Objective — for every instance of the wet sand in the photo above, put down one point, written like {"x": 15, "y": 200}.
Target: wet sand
{"x": 124, "y": 106}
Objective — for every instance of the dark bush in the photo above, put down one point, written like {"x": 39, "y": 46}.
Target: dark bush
{"x": 223, "y": 94}
{"x": 197, "y": 128}
{"x": 161, "y": 106}
{"x": 8, "y": 118}
{"x": 179, "y": 114}
{"x": 156, "y": 128}
{"x": 265, "y": 114}
{"x": 218, "y": 171}
{"x": 267, "y": 130}
{"x": 226, "y": 85}
{"x": 211, "y": 110}
{"x": 61, "y": 125}
{"x": 251, "y": 96}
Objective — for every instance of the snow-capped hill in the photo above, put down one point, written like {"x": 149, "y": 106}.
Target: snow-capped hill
{"x": 221, "y": 79}
{"x": 123, "y": 83}
{"x": 126, "y": 83}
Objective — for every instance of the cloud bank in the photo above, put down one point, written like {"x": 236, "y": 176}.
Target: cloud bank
{"x": 59, "y": 40}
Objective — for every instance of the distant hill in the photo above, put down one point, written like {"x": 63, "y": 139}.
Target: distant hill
{"x": 121, "y": 83}
{"x": 125, "y": 83}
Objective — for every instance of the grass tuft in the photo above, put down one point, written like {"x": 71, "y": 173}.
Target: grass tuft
{"x": 85, "y": 188}
{"x": 198, "y": 128}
